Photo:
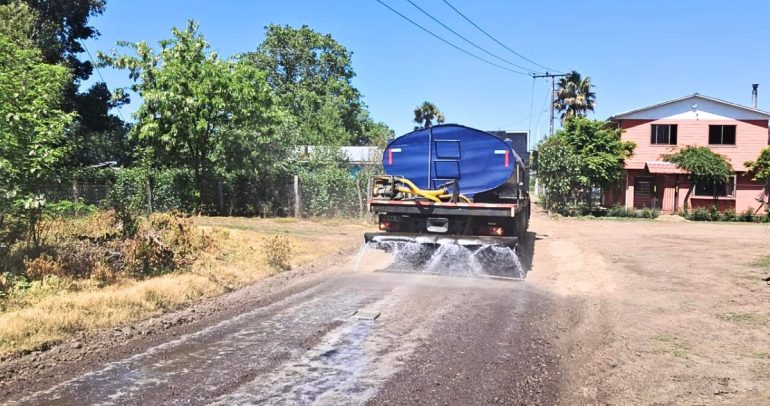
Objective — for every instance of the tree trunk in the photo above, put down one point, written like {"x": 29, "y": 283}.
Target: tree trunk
{"x": 687, "y": 197}
{"x": 149, "y": 193}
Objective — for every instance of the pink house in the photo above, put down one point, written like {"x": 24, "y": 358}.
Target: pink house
{"x": 735, "y": 131}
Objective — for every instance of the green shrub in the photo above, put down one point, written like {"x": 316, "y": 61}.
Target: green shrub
{"x": 630, "y": 212}
{"x": 129, "y": 192}
{"x": 748, "y": 215}
{"x": 68, "y": 208}
{"x": 174, "y": 190}
{"x": 617, "y": 211}
{"x": 728, "y": 215}
{"x": 700, "y": 214}
{"x": 649, "y": 213}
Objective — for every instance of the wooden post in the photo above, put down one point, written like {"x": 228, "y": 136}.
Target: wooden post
{"x": 360, "y": 198}
{"x": 75, "y": 191}
{"x": 149, "y": 193}
{"x": 297, "y": 201}
{"x": 221, "y": 200}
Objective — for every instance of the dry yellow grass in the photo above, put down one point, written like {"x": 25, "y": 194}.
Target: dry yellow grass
{"x": 234, "y": 260}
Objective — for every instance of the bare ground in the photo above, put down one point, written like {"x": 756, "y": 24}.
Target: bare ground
{"x": 613, "y": 312}
{"x": 662, "y": 313}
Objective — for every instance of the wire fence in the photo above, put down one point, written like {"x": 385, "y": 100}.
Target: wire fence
{"x": 342, "y": 194}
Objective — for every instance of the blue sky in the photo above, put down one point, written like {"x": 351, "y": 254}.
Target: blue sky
{"x": 636, "y": 53}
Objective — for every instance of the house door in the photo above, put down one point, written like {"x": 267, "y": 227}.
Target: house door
{"x": 643, "y": 193}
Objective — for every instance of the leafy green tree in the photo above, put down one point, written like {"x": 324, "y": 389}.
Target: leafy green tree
{"x": 19, "y": 24}
{"x": 574, "y": 96}
{"x": 32, "y": 127}
{"x": 197, "y": 105}
{"x": 425, "y": 113}
{"x": 57, "y": 28}
{"x": 559, "y": 170}
{"x": 600, "y": 147}
{"x": 377, "y": 134}
{"x": 582, "y": 156}
{"x": 311, "y": 73}
{"x": 99, "y": 136}
{"x": 760, "y": 170}
{"x": 704, "y": 166}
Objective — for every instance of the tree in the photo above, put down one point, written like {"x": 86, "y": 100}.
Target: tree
{"x": 57, "y": 28}
{"x": 197, "y": 105}
{"x": 311, "y": 73}
{"x": 760, "y": 169}
{"x": 99, "y": 136}
{"x": 60, "y": 27}
{"x": 32, "y": 127}
{"x": 600, "y": 147}
{"x": 595, "y": 160}
{"x": 425, "y": 113}
{"x": 559, "y": 170}
{"x": 574, "y": 96}
{"x": 704, "y": 166}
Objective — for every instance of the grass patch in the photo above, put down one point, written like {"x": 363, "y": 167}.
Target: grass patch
{"x": 763, "y": 262}
{"x": 55, "y": 308}
{"x": 669, "y": 344}
{"x": 748, "y": 319}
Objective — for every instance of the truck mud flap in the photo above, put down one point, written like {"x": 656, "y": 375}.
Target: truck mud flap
{"x": 441, "y": 239}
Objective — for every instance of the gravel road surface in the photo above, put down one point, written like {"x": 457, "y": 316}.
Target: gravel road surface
{"x": 611, "y": 313}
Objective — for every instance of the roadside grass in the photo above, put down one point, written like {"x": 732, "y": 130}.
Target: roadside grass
{"x": 763, "y": 262}
{"x": 237, "y": 256}
{"x": 609, "y": 218}
{"x": 744, "y": 319}
{"x": 669, "y": 344}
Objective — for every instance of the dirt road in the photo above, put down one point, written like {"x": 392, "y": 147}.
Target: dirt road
{"x": 612, "y": 313}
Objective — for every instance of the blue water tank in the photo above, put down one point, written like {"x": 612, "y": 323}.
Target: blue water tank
{"x": 430, "y": 157}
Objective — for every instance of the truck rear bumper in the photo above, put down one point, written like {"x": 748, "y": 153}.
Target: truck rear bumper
{"x": 442, "y": 239}
{"x": 445, "y": 208}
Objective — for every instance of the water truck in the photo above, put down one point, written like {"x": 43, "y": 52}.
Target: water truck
{"x": 450, "y": 185}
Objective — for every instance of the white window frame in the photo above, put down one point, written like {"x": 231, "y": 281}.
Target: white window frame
{"x": 732, "y": 194}
{"x": 654, "y": 134}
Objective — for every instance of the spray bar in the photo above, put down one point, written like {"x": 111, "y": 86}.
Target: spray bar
{"x": 441, "y": 239}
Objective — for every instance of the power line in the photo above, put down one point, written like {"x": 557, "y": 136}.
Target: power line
{"x": 98, "y": 72}
{"x": 543, "y": 110}
{"x": 449, "y": 43}
{"x": 467, "y": 40}
{"x": 524, "y": 119}
{"x": 531, "y": 105}
{"x": 493, "y": 38}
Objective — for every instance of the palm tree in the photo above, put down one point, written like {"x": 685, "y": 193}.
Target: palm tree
{"x": 425, "y": 114}
{"x": 574, "y": 96}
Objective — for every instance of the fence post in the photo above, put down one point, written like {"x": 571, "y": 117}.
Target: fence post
{"x": 221, "y": 199}
{"x": 297, "y": 201}
{"x": 75, "y": 191}
{"x": 149, "y": 193}
{"x": 360, "y": 198}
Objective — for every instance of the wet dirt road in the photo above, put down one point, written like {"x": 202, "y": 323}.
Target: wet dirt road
{"x": 612, "y": 313}
{"x": 436, "y": 340}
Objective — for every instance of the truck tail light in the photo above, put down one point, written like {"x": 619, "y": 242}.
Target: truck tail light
{"x": 386, "y": 225}
{"x": 491, "y": 230}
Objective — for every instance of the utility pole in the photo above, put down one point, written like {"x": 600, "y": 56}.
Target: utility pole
{"x": 552, "y": 77}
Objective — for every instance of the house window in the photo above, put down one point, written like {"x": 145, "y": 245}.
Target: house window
{"x": 718, "y": 189}
{"x": 663, "y": 134}
{"x": 722, "y": 135}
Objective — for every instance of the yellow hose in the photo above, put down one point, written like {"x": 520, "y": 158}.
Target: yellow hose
{"x": 462, "y": 197}
{"x": 433, "y": 195}
{"x": 418, "y": 192}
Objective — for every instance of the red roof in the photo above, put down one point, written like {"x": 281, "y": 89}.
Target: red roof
{"x": 663, "y": 168}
